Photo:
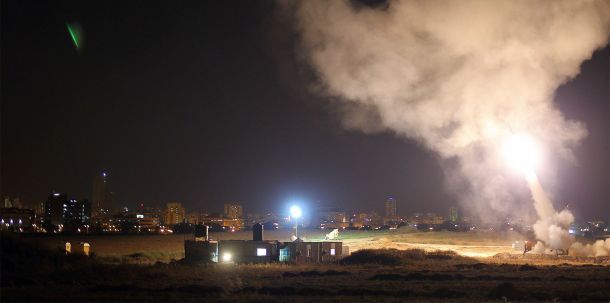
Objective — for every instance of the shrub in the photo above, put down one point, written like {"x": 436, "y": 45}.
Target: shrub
{"x": 396, "y": 257}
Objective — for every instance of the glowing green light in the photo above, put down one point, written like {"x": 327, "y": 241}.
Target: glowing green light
{"x": 75, "y": 34}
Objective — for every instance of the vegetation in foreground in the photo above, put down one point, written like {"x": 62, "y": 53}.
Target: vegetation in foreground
{"x": 164, "y": 248}
{"x": 32, "y": 273}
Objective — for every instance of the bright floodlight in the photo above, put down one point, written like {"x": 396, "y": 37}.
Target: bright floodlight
{"x": 226, "y": 257}
{"x": 521, "y": 152}
{"x": 295, "y": 212}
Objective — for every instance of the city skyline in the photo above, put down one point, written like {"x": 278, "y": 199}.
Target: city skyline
{"x": 183, "y": 124}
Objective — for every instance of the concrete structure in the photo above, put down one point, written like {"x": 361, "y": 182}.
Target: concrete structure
{"x": 390, "y": 209}
{"x": 76, "y": 214}
{"x": 54, "y": 209}
{"x": 428, "y": 218}
{"x": 360, "y": 220}
{"x": 453, "y": 214}
{"x": 102, "y": 199}
{"x": 63, "y": 214}
{"x": 196, "y": 217}
{"x": 233, "y": 211}
{"x": 149, "y": 218}
{"x": 174, "y": 213}
{"x": 331, "y": 218}
{"x": 234, "y": 224}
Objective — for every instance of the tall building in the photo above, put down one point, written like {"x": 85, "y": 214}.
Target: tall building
{"x": 174, "y": 213}
{"x": 453, "y": 214}
{"x": 77, "y": 215}
{"x": 233, "y": 211}
{"x": 54, "y": 209}
{"x": 77, "y": 212}
{"x": 390, "y": 208}
{"x": 59, "y": 210}
{"x": 102, "y": 199}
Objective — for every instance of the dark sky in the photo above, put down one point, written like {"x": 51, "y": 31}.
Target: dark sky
{"x": 204, "y": 103}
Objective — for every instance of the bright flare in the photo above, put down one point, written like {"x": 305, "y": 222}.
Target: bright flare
{"x": 521, "y": 152}
{"x": 295, "y": 212}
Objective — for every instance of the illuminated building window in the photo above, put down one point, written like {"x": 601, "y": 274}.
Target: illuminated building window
{"x": 332, "y": 251}
{"x": 261, "y": 252}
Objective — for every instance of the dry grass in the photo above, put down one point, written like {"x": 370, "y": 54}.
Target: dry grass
{"x": 164, "y": 248}
{"x": 417, "y": 276}
{"x": 401, "y": 257}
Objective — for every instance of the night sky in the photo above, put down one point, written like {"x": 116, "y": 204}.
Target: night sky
{"x": 205, "y": 102}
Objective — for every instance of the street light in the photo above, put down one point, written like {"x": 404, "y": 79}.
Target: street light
{"x": 295, "y": 212}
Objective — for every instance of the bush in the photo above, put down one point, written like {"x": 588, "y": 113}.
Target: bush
{"x": 393, "y": 257}
{"x": 374, "y": 256}
{"x": 20, "y": 257}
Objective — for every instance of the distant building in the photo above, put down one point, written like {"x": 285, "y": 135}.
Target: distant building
{"x": 17, "y": 219}
{"x": 15, "y": 202}
{"x": 62, "y": 212}
{"x": 225, "y": 223}
{"x": 360, "y": 220}
{"x": 77, "y": 213}
{"x": 453, "y": 214}
{"x": 54, "y": 209}
{"x": 196, "y": 217}
{"x": 102, "y": 199}
{"x": 390, "y": 208}
{"x": 233, "y": 211}
{"x": 150, "y": 212}
{"x": 331, "y": 217}
{"x": 269, "y": 220}
{"x": 174, "y": 213}
{"x": 428, "y": 218}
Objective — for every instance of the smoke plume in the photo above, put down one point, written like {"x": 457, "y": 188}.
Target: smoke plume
{"x": 552, "y": 226}
{"x": 458, "y": 77}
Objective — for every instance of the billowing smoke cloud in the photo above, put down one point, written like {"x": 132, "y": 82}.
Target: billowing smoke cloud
{"x": 552, "y": 226}
{"x": 552, "y": 229}
{"x": 458, "y": 77}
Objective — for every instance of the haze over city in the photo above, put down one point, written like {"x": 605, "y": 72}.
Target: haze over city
{"x": 305, "y": 151}
{"x": 210, "y": 104}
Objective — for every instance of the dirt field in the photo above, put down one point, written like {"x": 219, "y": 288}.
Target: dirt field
{"x": 457, "y": 282}
{"x": 164, "y": 248}
{"x": 370, "y": 276}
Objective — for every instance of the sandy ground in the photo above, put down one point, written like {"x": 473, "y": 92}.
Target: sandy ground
{"x": 167, "y": 247}
{"x": 500, "y": 278}
{"x": 431, "y": 243}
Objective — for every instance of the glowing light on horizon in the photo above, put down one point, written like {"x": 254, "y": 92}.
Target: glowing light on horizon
{"x": 295, "y": 212}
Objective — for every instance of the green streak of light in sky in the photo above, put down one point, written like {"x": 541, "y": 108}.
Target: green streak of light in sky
{"x": 72, "y": 35}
